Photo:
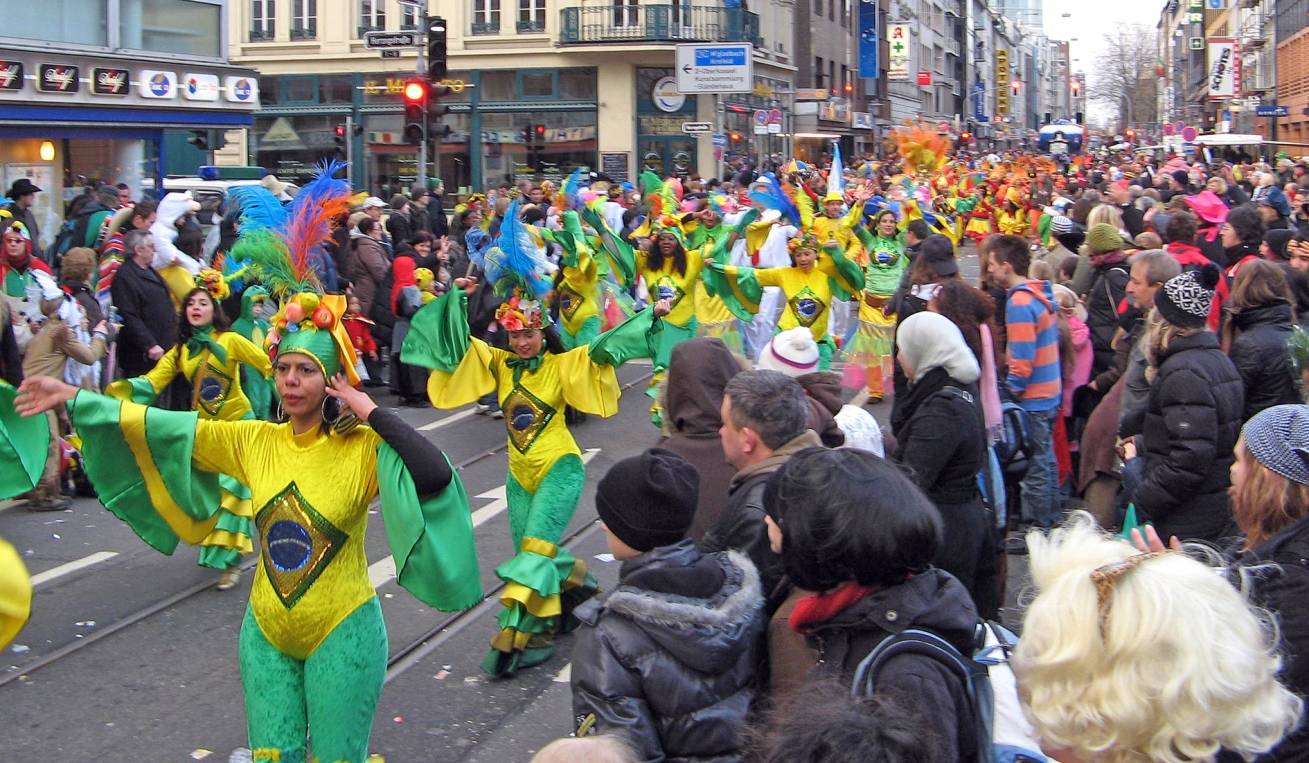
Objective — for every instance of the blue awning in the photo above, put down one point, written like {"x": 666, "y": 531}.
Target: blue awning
{"x": 39, "y": 120}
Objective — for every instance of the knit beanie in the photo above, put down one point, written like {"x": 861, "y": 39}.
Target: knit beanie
{"x": 1061, "y": 224}
{"x": 931, "y": 340}
{"x": 1185, "y": 299}
{"x": 648, "y": 500}
{"x": 792, "y": 352}
{"x": 1103, "y": 237}
{"x": 1278, "y": 438}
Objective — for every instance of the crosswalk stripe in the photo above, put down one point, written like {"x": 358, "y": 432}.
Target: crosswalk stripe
{"x": 452, "y": 418}
{"x": 71, "y": 567}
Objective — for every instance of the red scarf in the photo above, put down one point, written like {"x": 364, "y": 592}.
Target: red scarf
{"x": 818, "y": 608}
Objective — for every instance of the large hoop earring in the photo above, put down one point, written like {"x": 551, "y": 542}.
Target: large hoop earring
{"x": 344, "y": 422}
{"x": 279, "y": 415}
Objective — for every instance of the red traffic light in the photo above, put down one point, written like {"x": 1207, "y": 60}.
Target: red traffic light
{"x": 540, "y": 131}
{"x": 415, "y": 91}
{"x": 849, "y": 87}
{"x": 965, "y": 136}
{"x": 340, "y": 131}
{"x": 1130, "y": 134}
{"x": 736, "y": 136}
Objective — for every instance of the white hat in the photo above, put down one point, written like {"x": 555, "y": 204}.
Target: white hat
{"x": 792, "y": 352}
{"x": 372, "y": 201}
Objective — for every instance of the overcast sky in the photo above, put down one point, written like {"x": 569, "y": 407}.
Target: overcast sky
{"x": 1090, "y": 21}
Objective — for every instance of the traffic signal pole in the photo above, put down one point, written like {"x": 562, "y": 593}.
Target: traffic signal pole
{"x": 422, "y": 145}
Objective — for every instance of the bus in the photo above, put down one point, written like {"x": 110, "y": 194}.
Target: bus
{"x": 1071, "y": 133}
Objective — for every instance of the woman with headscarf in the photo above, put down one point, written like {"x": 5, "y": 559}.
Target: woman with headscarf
{"x": 405, "y": 299}
{"x": 941, "y": 441}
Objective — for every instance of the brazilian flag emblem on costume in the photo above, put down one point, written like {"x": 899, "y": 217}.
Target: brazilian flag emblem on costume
{"x": 569, "y": 301}
{"x": 806, "y": 306}
{"x": 210, "y": 389}
{"x": 297, "y": 544}
{"x": 527, "y": 415}
{"x": 667, "y": 288}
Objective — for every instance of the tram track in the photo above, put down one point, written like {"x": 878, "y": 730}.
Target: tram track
{"x": 401, "y": 660}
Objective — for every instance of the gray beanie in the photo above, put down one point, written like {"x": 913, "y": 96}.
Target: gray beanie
{"x": 1278, "y": 438}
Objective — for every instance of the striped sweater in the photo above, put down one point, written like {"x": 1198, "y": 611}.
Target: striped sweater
{"x": 1033, "y": 330}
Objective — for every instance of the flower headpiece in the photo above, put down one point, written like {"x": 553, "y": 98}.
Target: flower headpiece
{"x": 806, "y": 240}
{"x": 520, "y": 313}
{"x": 213, "y": 282}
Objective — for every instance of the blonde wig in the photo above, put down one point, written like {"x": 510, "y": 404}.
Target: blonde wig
{"x": 1165, "y": 662}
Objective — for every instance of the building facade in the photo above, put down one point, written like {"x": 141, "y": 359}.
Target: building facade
{"x": 1291, "y": 25}
{"x": 539, "y": 88}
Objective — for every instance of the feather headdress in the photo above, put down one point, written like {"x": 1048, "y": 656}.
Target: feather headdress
{"x": 257, "y": 208}
{"x": 769, "y": 194}
{"x": 516, "y": 262}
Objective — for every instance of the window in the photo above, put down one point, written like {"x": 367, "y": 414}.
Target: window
{"x": 497, "y": 86}
{"x": 263, "y": 19}
{"x": 531, "y": 15}
{"x": 170, "y": 26}
{"x": 626, "y": 12}
{"x": 577, "y": 84}
{"x": 79, "y": 22}
{"x": 372, "y": 16}
{"x": 486, "y": 17}
{"x": 408, "y": 17}
{"x": 537, "y": 84}
{"x": 819, "y": 70}
{"x": 831, "y": 10}
{"x": 304, "y": 19}
{"x": 831, "y": 75}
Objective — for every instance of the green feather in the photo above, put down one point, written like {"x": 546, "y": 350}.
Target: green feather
{"x": 271, "y": 260}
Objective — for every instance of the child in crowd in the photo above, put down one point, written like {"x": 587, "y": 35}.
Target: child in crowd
{"x": 361, "y": 335}
{"x": 669, "y": 656}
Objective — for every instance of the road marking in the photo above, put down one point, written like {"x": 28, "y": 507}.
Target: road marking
{"x": 10, "y": 504}
{"x": 565, "y": 675}
{"x": 383, "y": 570}
{"x": 452, "y": 418}
{"x": 71, "y": 567}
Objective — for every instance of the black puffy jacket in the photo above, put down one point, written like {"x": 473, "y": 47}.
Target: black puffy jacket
{"x": 1108, "y": 287}
{"x": 1260, "y": 355}
{"x": 669, "y": 656}
{"x": 1192, "y": 420}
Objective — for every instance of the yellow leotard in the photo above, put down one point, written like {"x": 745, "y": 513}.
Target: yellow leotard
{"x": 666, "y": 283}
{"x": 215, "y": 387}
{"x": 808, "y": 296}
{"x": 578, "y": 290}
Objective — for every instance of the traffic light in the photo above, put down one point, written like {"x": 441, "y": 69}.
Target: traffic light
{"x": 538, "y": 132}
{"x": 415, "y": 96}
{"x": 965, "y": 137}
{"x": 1016, "y": 85}
{"x": 735, "y": 136}
{"x": 1077, "y": 89}
{"x": 435, "y": 90}
{"x": 436, "y": 52}
{"x": 339, "y": 139}
{"x": 1129, "y": 134}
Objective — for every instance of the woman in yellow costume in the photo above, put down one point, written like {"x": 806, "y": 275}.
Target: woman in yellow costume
{"x": 209, "y": 355}
{"x": 313, "y": 646}
{"x": 1012, "y": 216}
{"x": 533, "y": 381}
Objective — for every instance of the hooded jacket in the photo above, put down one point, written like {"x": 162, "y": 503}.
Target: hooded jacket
{"x": 1108, "y": 287}
{"x": 932, "y": 600}
{"x": 698, "y": 372}
{"x": 1032, "y": 332}
{"x": 1192, "y": 420}
{"x": 668, "y": 657}
{"x": 367, "y": 268}
{"x": 1259, "y": 352}
{"x": 823, "y": 393}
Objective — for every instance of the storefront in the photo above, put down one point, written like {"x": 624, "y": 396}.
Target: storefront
{"x": 67, "y": 121}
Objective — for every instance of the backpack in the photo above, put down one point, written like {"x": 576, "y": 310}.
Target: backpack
{"x": 1003, "y": 733}
{"x": 1015, "y": 444}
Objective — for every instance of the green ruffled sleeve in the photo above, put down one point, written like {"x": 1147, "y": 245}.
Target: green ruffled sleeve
{"x": 137, "y": 389}
{"x": 619, "y": 251}
{"x": 846, "y": 274}
{"x": 431, "y": 538}
{"x": 140, "y": 461}
{"x": 438, "y": 333}
{"x": 737, "y": 287}
{"x": 635, "y": 337}
{"x": 24, "y": 442}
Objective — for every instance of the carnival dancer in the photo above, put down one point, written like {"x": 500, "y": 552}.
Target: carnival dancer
{"x": 24, "y": 442}
{"x": 313, "y": 646}
{"x": 253, "y": 324}
{"x": 533, "y": 382}
{"x": 873, "y": 348}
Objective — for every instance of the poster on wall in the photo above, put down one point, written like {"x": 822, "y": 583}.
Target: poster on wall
{"x": 868, "y": 42}
{"x": 899, "y": 41}
{"x": 616, "y": 165}
{"x": 1223, "y": 64}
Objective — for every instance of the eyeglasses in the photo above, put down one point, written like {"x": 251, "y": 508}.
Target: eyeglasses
{"x": 1105, "y": 576}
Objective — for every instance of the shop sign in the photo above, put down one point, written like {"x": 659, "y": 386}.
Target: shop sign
{"x": 811, "y": 94}
{"x": 241, "y": 89}
{"x": 862, "y": 120}
{"x": 900, "y": 40}
{"x": 11, "y": 75}
{"x": 107, "y": 81}
{"x": 763, "y": 89}
{"x": 834, "y": 111}
{"x": 924, "y": 78}
{"x": 868, "y": 42}
{"x": 665, "y": 95}
{"x": 396, "y": 86}
{"x": 200, "y": 87}
{"x": 57, "y": 78}
{"x": 647, "y": 125}
{"x": 1224, "y": 65}
{"x": 158, "y": 84}
{"x": 1001, "y": 81}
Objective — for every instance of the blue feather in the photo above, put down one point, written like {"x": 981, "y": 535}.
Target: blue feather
{"x": 323, "y": 187}
{"x": 771, "y": 196}
{"x": 259, "y": 208}
{"x": 516, "y": 261}
{"x": 836, "y": 174}
{"x": 572, "y": 187}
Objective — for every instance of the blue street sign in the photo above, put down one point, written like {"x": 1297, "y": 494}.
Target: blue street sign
{"x": 1271, "y": 110}
{"x": 728, "y": 56}
{"x": 720, "y": 141}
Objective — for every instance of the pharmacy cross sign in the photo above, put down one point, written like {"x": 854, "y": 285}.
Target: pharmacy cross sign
{"x": 898, "y": 47}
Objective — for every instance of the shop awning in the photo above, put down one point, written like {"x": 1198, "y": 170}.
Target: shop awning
{"x": 41, "y": 120}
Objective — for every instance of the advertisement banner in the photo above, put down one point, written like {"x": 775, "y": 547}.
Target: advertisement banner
{"x": 1223, "y": 65}
{"x": 979, "y": 101}
{"x": 1001, "y": 81}
{"x": 868, "y": 41}
{"x": 900, "y": 41}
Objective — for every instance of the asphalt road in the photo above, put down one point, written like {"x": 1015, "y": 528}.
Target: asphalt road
{"x": 132, "y": 656}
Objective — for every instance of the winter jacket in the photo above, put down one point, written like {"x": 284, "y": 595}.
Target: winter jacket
{"x": 942, "y": 444}
{"x": 1108, "y": 287}
{"x": 741, "y": 527}
{"x": 145, "y": 305}
{"x": 368, "y": 268}
{"x": 1033, "y": 346}
{"x": 400, "y": 228}
{"x": 440, "y": 225}
{"x": 693, "y": 396}
{"x": 1259, "y": 352}
{"x": 932, "y": 600}
{"x": 1277, "y": 573}
{"x": 668, "y": 657}
{"x": 1192, "y": 420}
{"x": 1133, "y": 219}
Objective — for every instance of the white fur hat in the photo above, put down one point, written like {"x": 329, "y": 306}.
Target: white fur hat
{"x": 792, "y": 352}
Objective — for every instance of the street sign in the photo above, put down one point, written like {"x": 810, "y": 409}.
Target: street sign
{"x": 774, "y": 116}
{"x": 389, "y": 40}
{"x": 390, "y": 54}
{"x": 1271, "y": 110}
{"x": 1189, "y": 133}
{"x": 924, "y": 77}
{"x": 720, "y": 140}
{"x": 697, "y": 128}
{"x": 774, "y": 128}
{"x": 725, "y": 68}
{"x": 760, "y": 117}
{"x": 760, "y": 129}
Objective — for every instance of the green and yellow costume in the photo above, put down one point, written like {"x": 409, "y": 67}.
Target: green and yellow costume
{"x": 257, "y": 388}
{"x": 212, "y": 362}
{"x": 873, "y": 347}
{"x": 24, "y": 441}
{"x": 543, "y": 581}
{"x": 578, "y": 291}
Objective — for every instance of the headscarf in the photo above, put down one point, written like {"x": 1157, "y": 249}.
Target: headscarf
{"x": 402, "y": 273}
{"x": 930, "y": 340}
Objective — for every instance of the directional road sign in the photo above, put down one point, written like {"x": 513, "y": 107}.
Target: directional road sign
{"x": 1271, "y": 110}
{"x": 723, "y": 68}
{"x": 720, "y": 140}
{"x": 697, "y": 128}
{"x": 390, "y": 40}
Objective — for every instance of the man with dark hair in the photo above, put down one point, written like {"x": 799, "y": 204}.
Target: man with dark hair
{"x": 915, "y": 233}
{"x": 765, "y": 418}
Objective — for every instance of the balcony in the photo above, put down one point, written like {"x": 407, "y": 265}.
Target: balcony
{"x": 657, "y": 23}
{"x": 486, "y": 27}
{"x": 531, "y": 26}
{"x": 261, "y": 35}
{"x": 304, "y": 33}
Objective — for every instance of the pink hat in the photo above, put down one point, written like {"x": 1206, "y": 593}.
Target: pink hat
{"x": 1208, "y": 206}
